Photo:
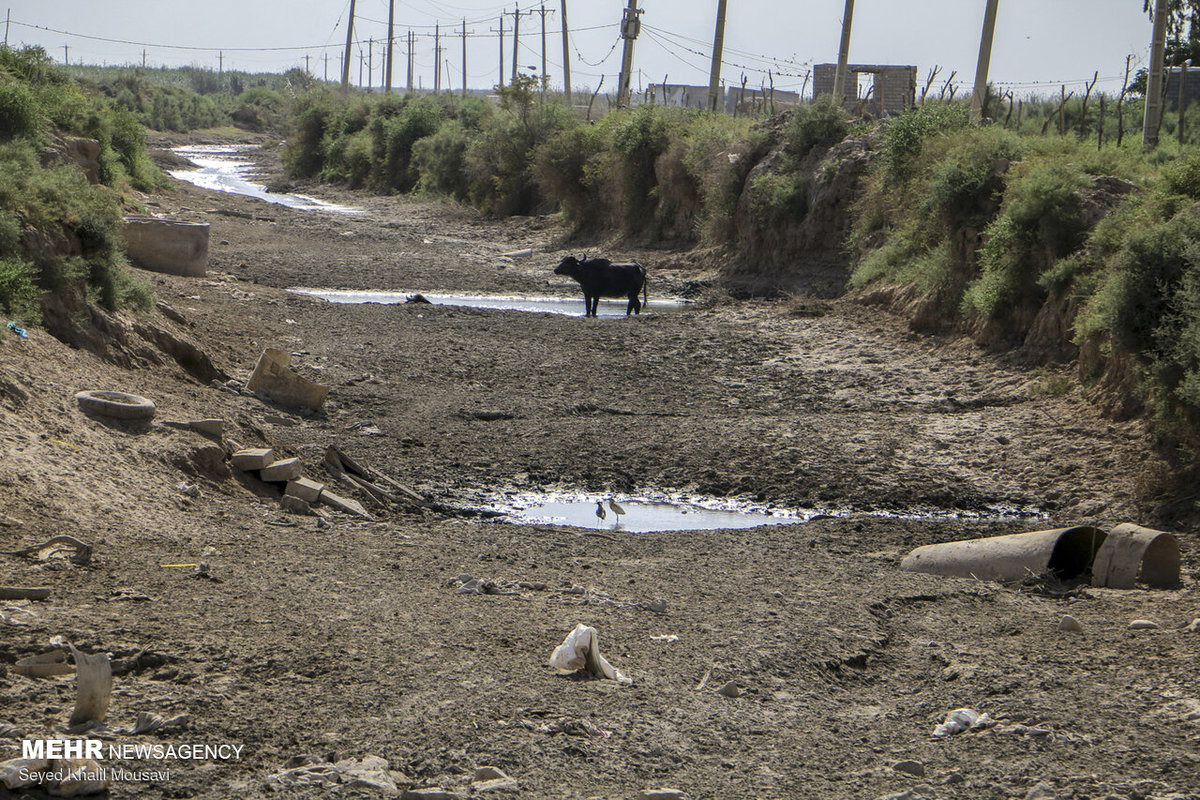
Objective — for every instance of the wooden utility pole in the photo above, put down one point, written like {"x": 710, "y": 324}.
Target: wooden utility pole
{"x": 979, "y": 96}
{"x": 839, "y": 74}
{"x": 346, "y": 57}
{"x": 631, "y": 26}
{"x": 1154, "y": 83}
{"x": 387, "y": 80}
{"x": 714, "y": 73}
{"x": 566, "y": 54}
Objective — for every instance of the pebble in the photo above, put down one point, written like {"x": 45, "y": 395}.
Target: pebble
{"x": 777, "y": 594}
{"x": 488, "y": 773}
{"x": 1143, "y": 625}
{"x": 657, "y": 605}
{"x": 1043, "y": 791}
{"x": 730, "y": 689}
{"x": 1069, "y": 623}
{"x": 910, "y": 767}
{"x": 1195, "y": 626}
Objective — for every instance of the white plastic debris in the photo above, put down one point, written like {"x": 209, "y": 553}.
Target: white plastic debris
{"x": 581, "y": 651}
{"x": 961, "y": 719}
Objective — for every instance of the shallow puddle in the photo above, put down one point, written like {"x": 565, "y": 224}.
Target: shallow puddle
{"x": 224, "y": 168}
{"x": 572, "y": 306}
{"x": 647, "y": 513}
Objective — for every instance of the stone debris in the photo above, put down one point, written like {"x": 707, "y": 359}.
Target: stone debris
{"x": 910, "y": 767}
{"x": 252, "y": 459}
{"x": 730, "y": 689}
{"x": 287, "y": 469}
{"x": 1069, "y": 623}
{"x": 1143, "y": 625}
{"x": 369, "y": 772}
{"x": 307, "y": 490}
{"x": 662, "y": 794}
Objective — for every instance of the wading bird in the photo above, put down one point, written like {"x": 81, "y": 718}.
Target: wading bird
{"x": 616, "y": 507}
{"x": 600, "y": 515}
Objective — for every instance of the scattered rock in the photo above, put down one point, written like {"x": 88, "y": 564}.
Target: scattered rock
{"x": 287, "y": 469}
{"x": 657, "y": 605}
{"x": 910, "y": 767}
{"x": 1069, "y": 623}
{"x": 1195, "y": 626}
{"x": 1143, "y": 625}
{"x": 295, "y": 505}
{"x": 252, "y": 459}
{"x": 487, "y": 773}
{"x": 1043, "y": 791}
{"x": 730, "y": 689}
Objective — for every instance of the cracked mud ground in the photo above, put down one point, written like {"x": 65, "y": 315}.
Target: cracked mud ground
{"x": 346, "y": 637}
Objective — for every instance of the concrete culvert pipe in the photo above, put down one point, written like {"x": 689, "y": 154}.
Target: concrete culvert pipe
{"x": 1132, "y": 553}
{"x": 1063, "y": 553}
{"x": 118, "y": 405}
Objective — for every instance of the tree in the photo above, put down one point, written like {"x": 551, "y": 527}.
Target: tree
{"x": 1183, "y": 31}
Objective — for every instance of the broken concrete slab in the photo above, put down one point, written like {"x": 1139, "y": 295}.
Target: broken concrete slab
{"x": 295, "y": 505}
{"x": 252, "y": 459}
{"x": 287, "y": 469}
{"x": 305, "y": 489}
{"x": 344, "y": 504}
{"x": 275, "y": 380}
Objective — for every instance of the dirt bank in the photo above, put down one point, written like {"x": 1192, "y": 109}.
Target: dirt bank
{"x": 335, "y": 636}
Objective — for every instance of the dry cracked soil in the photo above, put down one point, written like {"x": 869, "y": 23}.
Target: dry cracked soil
{"x": 333, "y": 637}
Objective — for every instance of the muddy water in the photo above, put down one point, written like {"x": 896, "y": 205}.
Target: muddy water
{"x": 225, "y": 169}
{"x": 551, "y": 305}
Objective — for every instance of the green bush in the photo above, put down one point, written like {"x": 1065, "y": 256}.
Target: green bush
{"x": 640, "y": 136}
{"x": 561, "y": 170}
{"x": 19, "y": 112}
{"x": 441, "y": 161}
{"x": 904, "y": 136}
{"x": 19, "y": 296}
{"x": 1183, "y": 176}
{"x": 821, "y": 123}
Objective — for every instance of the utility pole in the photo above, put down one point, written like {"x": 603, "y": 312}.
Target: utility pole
{"x": 66, "y": 53}
{"x": 517, "y": 13}
{"x": 370, "y": 63}
{"x": 306, "y": 70}
{"x": 631, "y": 26}
{"x": 545, "y": 79}
{"x": 221, "y": 62}
{"x": 346, "y": 56}
{"x": 839, "y": 75}
{"x": 362, "y": 60}
{"x": 325, "y": 75}
{"x": 464, "y": 56}
{"x": 410, "y": 61}
{"x": 501, "y": 31}
{"x": 714, "y": 73}
{"x": 143, "y": 55}
{"x": 985, "y": 57}
{"x": 566, "y": 54}
{"x": 437, "y": 58}
{"x": 7, "y": 22}
{"x": 1154, "y": 84}
{"x": 391, "y": 42}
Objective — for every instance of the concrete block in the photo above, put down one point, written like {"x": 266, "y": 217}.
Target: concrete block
{"x": 295, "y": 505}
{"x": 286, "y": 470}
{"x": 211, "y": 427}
{"x": 307, "y": 490}
{"x": 344, "y": 504}
{"x": 251, "y": 459}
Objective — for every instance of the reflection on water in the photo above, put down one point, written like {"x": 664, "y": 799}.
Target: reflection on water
{"x": 223, "y": 169}
{"x": 551, "y": 305}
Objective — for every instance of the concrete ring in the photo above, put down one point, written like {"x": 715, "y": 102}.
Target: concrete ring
{"x": 118, "y": 405}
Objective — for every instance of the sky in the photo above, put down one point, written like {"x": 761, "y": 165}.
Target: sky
{"x": 1039, "y": 44}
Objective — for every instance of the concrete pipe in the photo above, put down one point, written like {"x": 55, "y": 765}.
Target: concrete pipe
{"x": 1064, "y": 553}
{"x": 167, "y": 245}
{"x": 1132, "y": 553}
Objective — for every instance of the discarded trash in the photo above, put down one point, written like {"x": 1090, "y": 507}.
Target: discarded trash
{"x": 93, "y": 680}
{"x": 78, "y": 552}
{"x": 1132, "y": 553}
{"x": 526, "y": 253}
{"x": 16, "y": 615}
{"x": 118, "y": 405}
{"x": 19, "y": 331}
{"x": 150, "y": 723}
{"x": 580, "y": 652}
{"x": 961, "y": 719}
{"x": 19, "y": 593}
{"x": 44, "y": 665}
{"x": 273, "y": 378}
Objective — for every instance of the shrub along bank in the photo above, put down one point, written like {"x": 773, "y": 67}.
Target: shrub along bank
{"x": 59, "y": 233}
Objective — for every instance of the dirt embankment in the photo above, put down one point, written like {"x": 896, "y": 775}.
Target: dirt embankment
{"x": 336, "y": 637}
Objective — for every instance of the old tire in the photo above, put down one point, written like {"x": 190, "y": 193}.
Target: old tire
{"x": 118, "y": 405}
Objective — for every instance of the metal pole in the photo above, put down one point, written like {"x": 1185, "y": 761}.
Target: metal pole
{"x": 502, "y": 48}
{"x": 714, "y": 74}
{"x": 346, "y": 57}
{"x": 464, "y": 54}
{"x": 410, "y": 61}
{"x": 437, "y": 58}
{"x": 1154, "y": 84}
{"x": 516, "y": 38}
{"x": 985, "y": 58}
{"x": 545, "y": 83}
{"x": 371, "y": 63}
{"x": 391, "y": 42}
{"x": 7, "y": 22}
{"x": 566, "y": 55}
{"x": 839, "y": 74}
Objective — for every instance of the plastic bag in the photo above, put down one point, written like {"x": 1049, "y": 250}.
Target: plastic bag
{"x": 581, "y": 651}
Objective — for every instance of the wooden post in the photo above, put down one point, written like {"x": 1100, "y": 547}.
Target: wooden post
{"x": 387, "y": 82}
{"x": 346, "y": 57}
{"x": 1083, "y": 114}
{"x": 566, "y": 55}
{"x": 979, "y": 97}
{"x": 1100, "y": 126}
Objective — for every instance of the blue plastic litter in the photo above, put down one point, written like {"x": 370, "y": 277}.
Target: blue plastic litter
{"x": 12, "y": 326}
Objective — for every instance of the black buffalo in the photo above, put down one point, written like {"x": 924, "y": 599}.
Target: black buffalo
{"x": 599, "y": 277}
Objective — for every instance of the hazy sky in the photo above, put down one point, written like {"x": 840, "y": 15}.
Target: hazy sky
{"x": 1037, "y": 41}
